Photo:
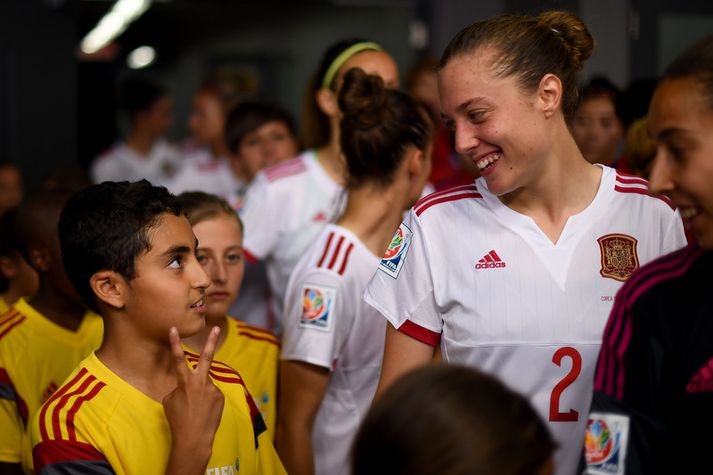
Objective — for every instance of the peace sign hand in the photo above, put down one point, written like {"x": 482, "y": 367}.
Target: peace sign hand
{"x": 194, "y": 408}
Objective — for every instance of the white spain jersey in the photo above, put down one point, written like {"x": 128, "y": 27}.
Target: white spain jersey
{"x": 121, "y": 163}
{"x": 328, "y": 324}
{"x": 484, "y": 281}
{"x": 286, "y": 207}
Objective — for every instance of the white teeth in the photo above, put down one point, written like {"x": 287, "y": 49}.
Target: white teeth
{"x": 486, "y": 161}
{"x": 198, "y": 304}
{"x": 688, "y": 212}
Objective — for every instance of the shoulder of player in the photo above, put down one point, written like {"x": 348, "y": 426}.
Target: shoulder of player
{"x": 331, "y": 253}
{"x": 446, "y": 199}
{"x": 13, "y": 325}
{"x": 255, "y": 337}
{"x": 84, "y": 400}
{"x": 634, "y": 187}
{"x": 287, "y": 171}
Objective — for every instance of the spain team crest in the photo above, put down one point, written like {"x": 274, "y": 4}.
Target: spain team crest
{"x": 317, "y": 306}
{"x": 619, "y": 257}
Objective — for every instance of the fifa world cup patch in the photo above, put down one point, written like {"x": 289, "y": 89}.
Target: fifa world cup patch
{"x": 395, "y": 254}
{"x": 605, "y": 444}
{"x": 619, "y": 257}
{"x": 317, "y": 307}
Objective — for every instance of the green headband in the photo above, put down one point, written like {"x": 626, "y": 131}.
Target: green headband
{"x": 344, "y": 56}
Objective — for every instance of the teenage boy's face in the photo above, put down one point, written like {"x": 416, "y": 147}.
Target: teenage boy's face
{"x": 170, "y": 283}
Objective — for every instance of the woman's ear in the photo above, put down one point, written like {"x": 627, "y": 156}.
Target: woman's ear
{"x": 39, "y": 258}
{"x": 109, "y": 287}
{"x": 327, "y": 102}
{"x": 549, "y": 94}
{"x": 8, "y": 268}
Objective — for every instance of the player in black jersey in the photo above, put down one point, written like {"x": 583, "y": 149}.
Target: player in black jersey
{"x": 652, "y": 410}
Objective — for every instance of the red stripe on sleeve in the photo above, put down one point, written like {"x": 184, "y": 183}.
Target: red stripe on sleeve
{"x": 7, "y": 316}
{"x": 12, "y": 325}
{"x": 641, "y": 191}
{"x": 336, "y": 252}
{"x": 4, "y": 377}
{"x": 326, "y": 249}
{"x": 261, "y": 338}
{"x": 58, "y": 394}
{"x": 346, "y": 258}
{"x": 58, "y": 451}
{"x": 419, "y": 333}
{"x": 71, "y": 433}
{"x": 56, "y": 427}
{"x": 436, "y": 194}
{"x": 252, "y": 259}
{"x": 446, "y": 199}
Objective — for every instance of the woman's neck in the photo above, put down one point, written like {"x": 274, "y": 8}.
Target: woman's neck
{"x": 218, "y": 150}
{"x": 373, "y": 214}
{"x": 330, "y": 156}
{"x": 564, "y": 186}
{"x": 141, "y": 142}
{"x": 54, "y": 305}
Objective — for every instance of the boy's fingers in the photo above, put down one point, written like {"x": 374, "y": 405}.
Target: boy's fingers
{"x": 208, "y": 351}
{"x": 179, "y": 357}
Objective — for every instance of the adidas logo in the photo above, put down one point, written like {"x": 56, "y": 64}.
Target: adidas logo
{"x": 490, "y": 261}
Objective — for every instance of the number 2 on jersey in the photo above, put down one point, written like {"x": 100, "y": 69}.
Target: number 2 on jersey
{"x": 555, "y": 414}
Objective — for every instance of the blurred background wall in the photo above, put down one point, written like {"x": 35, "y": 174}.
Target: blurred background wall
{"x": 58, "y": 106}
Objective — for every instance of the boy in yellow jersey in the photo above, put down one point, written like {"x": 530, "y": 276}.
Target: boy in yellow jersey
{"x": 43, "y": 339}
{"x": 252, "y": 351}
{"x": 140, "y": 404}
{"x": 17, "y": 275}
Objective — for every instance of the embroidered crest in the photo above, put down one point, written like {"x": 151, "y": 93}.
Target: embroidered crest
{"x": 395, "y": 254}
{"x": 605, "y": 444}
{"x": 619, "y": 258}
{"x": 317, "y": 306}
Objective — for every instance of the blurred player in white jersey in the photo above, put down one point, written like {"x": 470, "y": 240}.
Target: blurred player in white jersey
{"x": 516, "y": 273}
{"x": 288, "y": 205}
{"x": 333, "y": 343}
{"x": 144, "y": 153}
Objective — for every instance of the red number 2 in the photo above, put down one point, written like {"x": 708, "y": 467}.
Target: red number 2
{"x": 555, "y": 414}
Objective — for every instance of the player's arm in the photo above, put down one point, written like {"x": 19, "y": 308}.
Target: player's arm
{"x": 193, "y": 409}
{"x": 302, "y": 387}
{"x": 402, "y": 353}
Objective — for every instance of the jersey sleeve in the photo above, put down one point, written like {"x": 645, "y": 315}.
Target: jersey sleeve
{"x": 317, "y": 318}
{"x": 261, "y": 218}
{"x": 11, "y": 421}
{"x": 674, "y": 237}
{"x": 623, "y": 433}
{"x": 62, "y": 457}
{"x": 402, "y": 289}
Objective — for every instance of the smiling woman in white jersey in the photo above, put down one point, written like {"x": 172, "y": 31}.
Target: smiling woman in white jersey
{"x": 288, "y": 205}
{"x": 333, "y": 343}
{"x": 516, "y": 273}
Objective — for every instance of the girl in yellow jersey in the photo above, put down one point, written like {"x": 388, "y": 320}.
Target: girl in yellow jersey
{"x": 252, "y": 351}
